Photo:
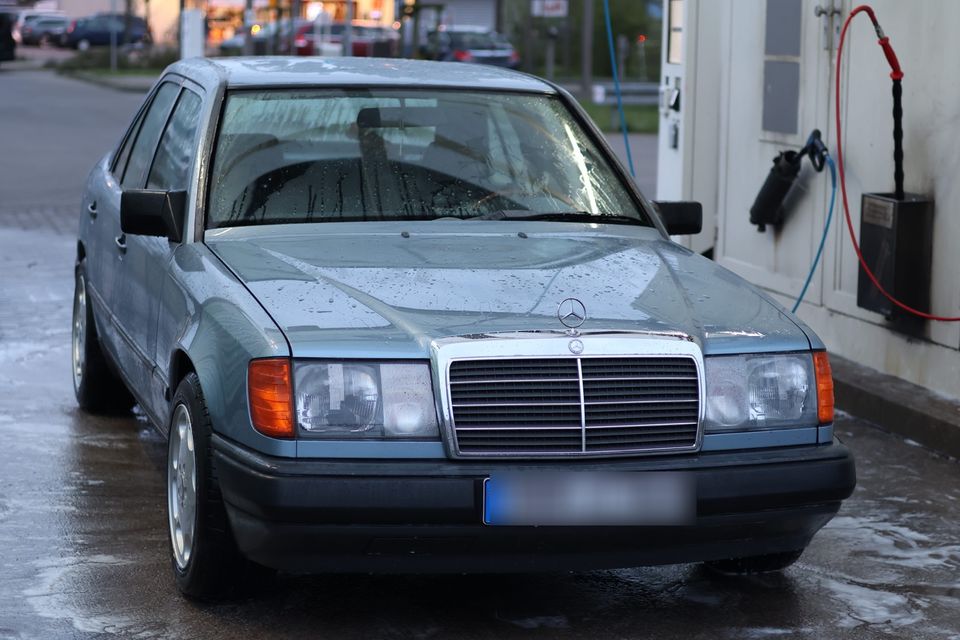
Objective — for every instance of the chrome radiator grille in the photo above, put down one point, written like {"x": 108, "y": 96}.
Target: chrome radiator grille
{"x": 574, "y": 406}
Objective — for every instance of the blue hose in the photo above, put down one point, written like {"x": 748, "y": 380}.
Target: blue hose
{"x": 823, "y": 239}
{"x": 616, "y": 86}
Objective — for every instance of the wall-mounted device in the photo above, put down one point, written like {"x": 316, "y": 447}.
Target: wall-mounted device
{"x": 896, "y": 240}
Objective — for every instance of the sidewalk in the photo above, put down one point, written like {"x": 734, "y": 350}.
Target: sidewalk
{"x": 131, "y": 82}
{"x": 914, "y": 412}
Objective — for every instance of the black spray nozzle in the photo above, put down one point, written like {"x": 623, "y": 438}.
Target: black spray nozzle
{"x": 769, "y": 206}
{"x": 816, "y": 150}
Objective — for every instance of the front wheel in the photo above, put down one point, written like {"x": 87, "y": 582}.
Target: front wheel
{"x": 205, "y": 559}
{"x": 754, "y": 565}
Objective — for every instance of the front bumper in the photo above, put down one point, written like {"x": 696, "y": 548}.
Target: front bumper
{"x": 416, "y": 515}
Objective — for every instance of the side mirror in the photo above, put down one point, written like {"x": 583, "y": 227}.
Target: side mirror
{"x": 681, "y": 218}
{"x": 146, "y": 212}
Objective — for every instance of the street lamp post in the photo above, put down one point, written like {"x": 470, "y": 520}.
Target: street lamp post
{"x": 248, "y": 29}
{"x": 113, "y": 36}
{"x": 348, "y": 30}
{"x": 586, "y": 49}
{"x": 294, "y": 16}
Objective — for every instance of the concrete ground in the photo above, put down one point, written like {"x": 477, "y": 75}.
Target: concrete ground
{"x": 31, "y": 57}
{"x": 83, "y": 543}
{"x": 52, "y": 131}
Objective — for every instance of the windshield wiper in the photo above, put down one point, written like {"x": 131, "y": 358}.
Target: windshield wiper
{"x": 561, "y": 216}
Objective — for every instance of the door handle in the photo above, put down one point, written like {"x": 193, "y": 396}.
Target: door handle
{"x": 121, "y": 242}
{"x": 92, "y": 209}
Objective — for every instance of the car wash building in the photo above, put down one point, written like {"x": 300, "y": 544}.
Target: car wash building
{"x": 745, "y": 81}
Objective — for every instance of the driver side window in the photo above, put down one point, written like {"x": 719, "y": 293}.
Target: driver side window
{"x": 175, "y": 153}
{"x": 145, "y": 143}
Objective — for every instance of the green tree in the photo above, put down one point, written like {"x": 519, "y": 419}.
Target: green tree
{"x": 630, "y": 18}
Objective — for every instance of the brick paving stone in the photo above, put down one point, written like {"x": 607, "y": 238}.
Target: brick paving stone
{"x": 59, "y": 219}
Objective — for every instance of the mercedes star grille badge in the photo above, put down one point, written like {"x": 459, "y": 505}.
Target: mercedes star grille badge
{"x": 571, "y": 313}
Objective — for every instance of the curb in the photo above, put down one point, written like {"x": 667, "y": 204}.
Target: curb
{"x": 130, "y": 84}
{"x": 20, "y": 65}
{"x": 897, "y": 406}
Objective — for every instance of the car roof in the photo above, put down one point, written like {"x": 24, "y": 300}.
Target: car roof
{"x": 280, "y": 71}
{"x": 121, "y": 16}
{"x": 33, "y": 13}
{"x": 464, "y": 28}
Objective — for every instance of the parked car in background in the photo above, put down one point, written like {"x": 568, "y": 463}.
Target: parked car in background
{"x": 470, "y": 44}
{"x": 8, "y": 46}
{"x": 44, "y": 31}
{"x": 271, "y": 38}
{"x": 96, "y": 30}
{"x": 24, "y": 18}
{"x": 369, "y": 39}
{"x": 416, "y": 316}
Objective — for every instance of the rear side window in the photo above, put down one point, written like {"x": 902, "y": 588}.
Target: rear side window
{"x": 120, "y": 163}
{"x": 141, "y": 154}
{"x": 175, "y": 152}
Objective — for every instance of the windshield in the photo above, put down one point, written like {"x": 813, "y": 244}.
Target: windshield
{"x": 344, "y": 155}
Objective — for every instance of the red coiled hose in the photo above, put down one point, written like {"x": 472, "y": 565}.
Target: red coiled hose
{"x": 896, "y": 74}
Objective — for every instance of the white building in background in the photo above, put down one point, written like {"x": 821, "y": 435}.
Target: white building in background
{"x": 746, "y": 79}
{"x": 161, "y": 14}
{"x": 481, "y": 13}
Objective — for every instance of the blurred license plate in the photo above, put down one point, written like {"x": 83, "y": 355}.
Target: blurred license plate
{"x": 598, "y": 499}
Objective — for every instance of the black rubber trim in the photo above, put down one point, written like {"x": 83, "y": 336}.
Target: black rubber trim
{"x": 420, "y": 492}
{"x": 479, "y": 549}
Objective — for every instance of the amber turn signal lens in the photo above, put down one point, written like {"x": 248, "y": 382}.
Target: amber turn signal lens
{"x": 821, "y": 364}
{"x": 270, "y": 392}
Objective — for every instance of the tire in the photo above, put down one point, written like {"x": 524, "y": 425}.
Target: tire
{"x": 97, "y": 387}
{"x": 754, "y": 565}
{"x": 83, "y": 45}
{"x": 206, "y": 562}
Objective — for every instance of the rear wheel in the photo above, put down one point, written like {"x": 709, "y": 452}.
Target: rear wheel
{"x": 83, "y": 45}
{"x": 205, "y": 559}
{"x": 97, "y": 388}
{"x": 753, "y": 565}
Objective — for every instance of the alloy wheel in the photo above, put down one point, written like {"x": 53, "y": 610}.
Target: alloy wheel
{"x": 79, "y": 332}
{"x": 182, "y": 486}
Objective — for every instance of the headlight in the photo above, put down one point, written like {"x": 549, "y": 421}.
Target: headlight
{"x": 339, "y": 400}
{"x": 760, "y": 392}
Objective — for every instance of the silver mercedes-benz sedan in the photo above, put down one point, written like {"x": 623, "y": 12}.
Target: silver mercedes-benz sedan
{"x": 414, "y": 316}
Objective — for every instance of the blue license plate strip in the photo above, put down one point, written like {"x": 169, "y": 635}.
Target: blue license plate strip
{"x": 589, "y": 499}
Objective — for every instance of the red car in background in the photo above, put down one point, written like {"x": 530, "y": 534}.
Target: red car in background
{"x": 370, "y": 39}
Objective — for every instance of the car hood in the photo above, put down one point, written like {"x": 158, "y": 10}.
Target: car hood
{"x": 390, "y": 289}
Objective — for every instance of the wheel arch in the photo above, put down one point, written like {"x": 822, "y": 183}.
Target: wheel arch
{"x": 180, "y": 367}
{"x": 213, "y": 326}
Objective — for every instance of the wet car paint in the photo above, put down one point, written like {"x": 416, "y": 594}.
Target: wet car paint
{"x": 428, "y": 280}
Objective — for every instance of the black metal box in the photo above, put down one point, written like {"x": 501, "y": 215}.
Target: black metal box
{"x": 896, "y": 239}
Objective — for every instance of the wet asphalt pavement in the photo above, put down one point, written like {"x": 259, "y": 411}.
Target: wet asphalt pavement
{"x": 83, "y": 544}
